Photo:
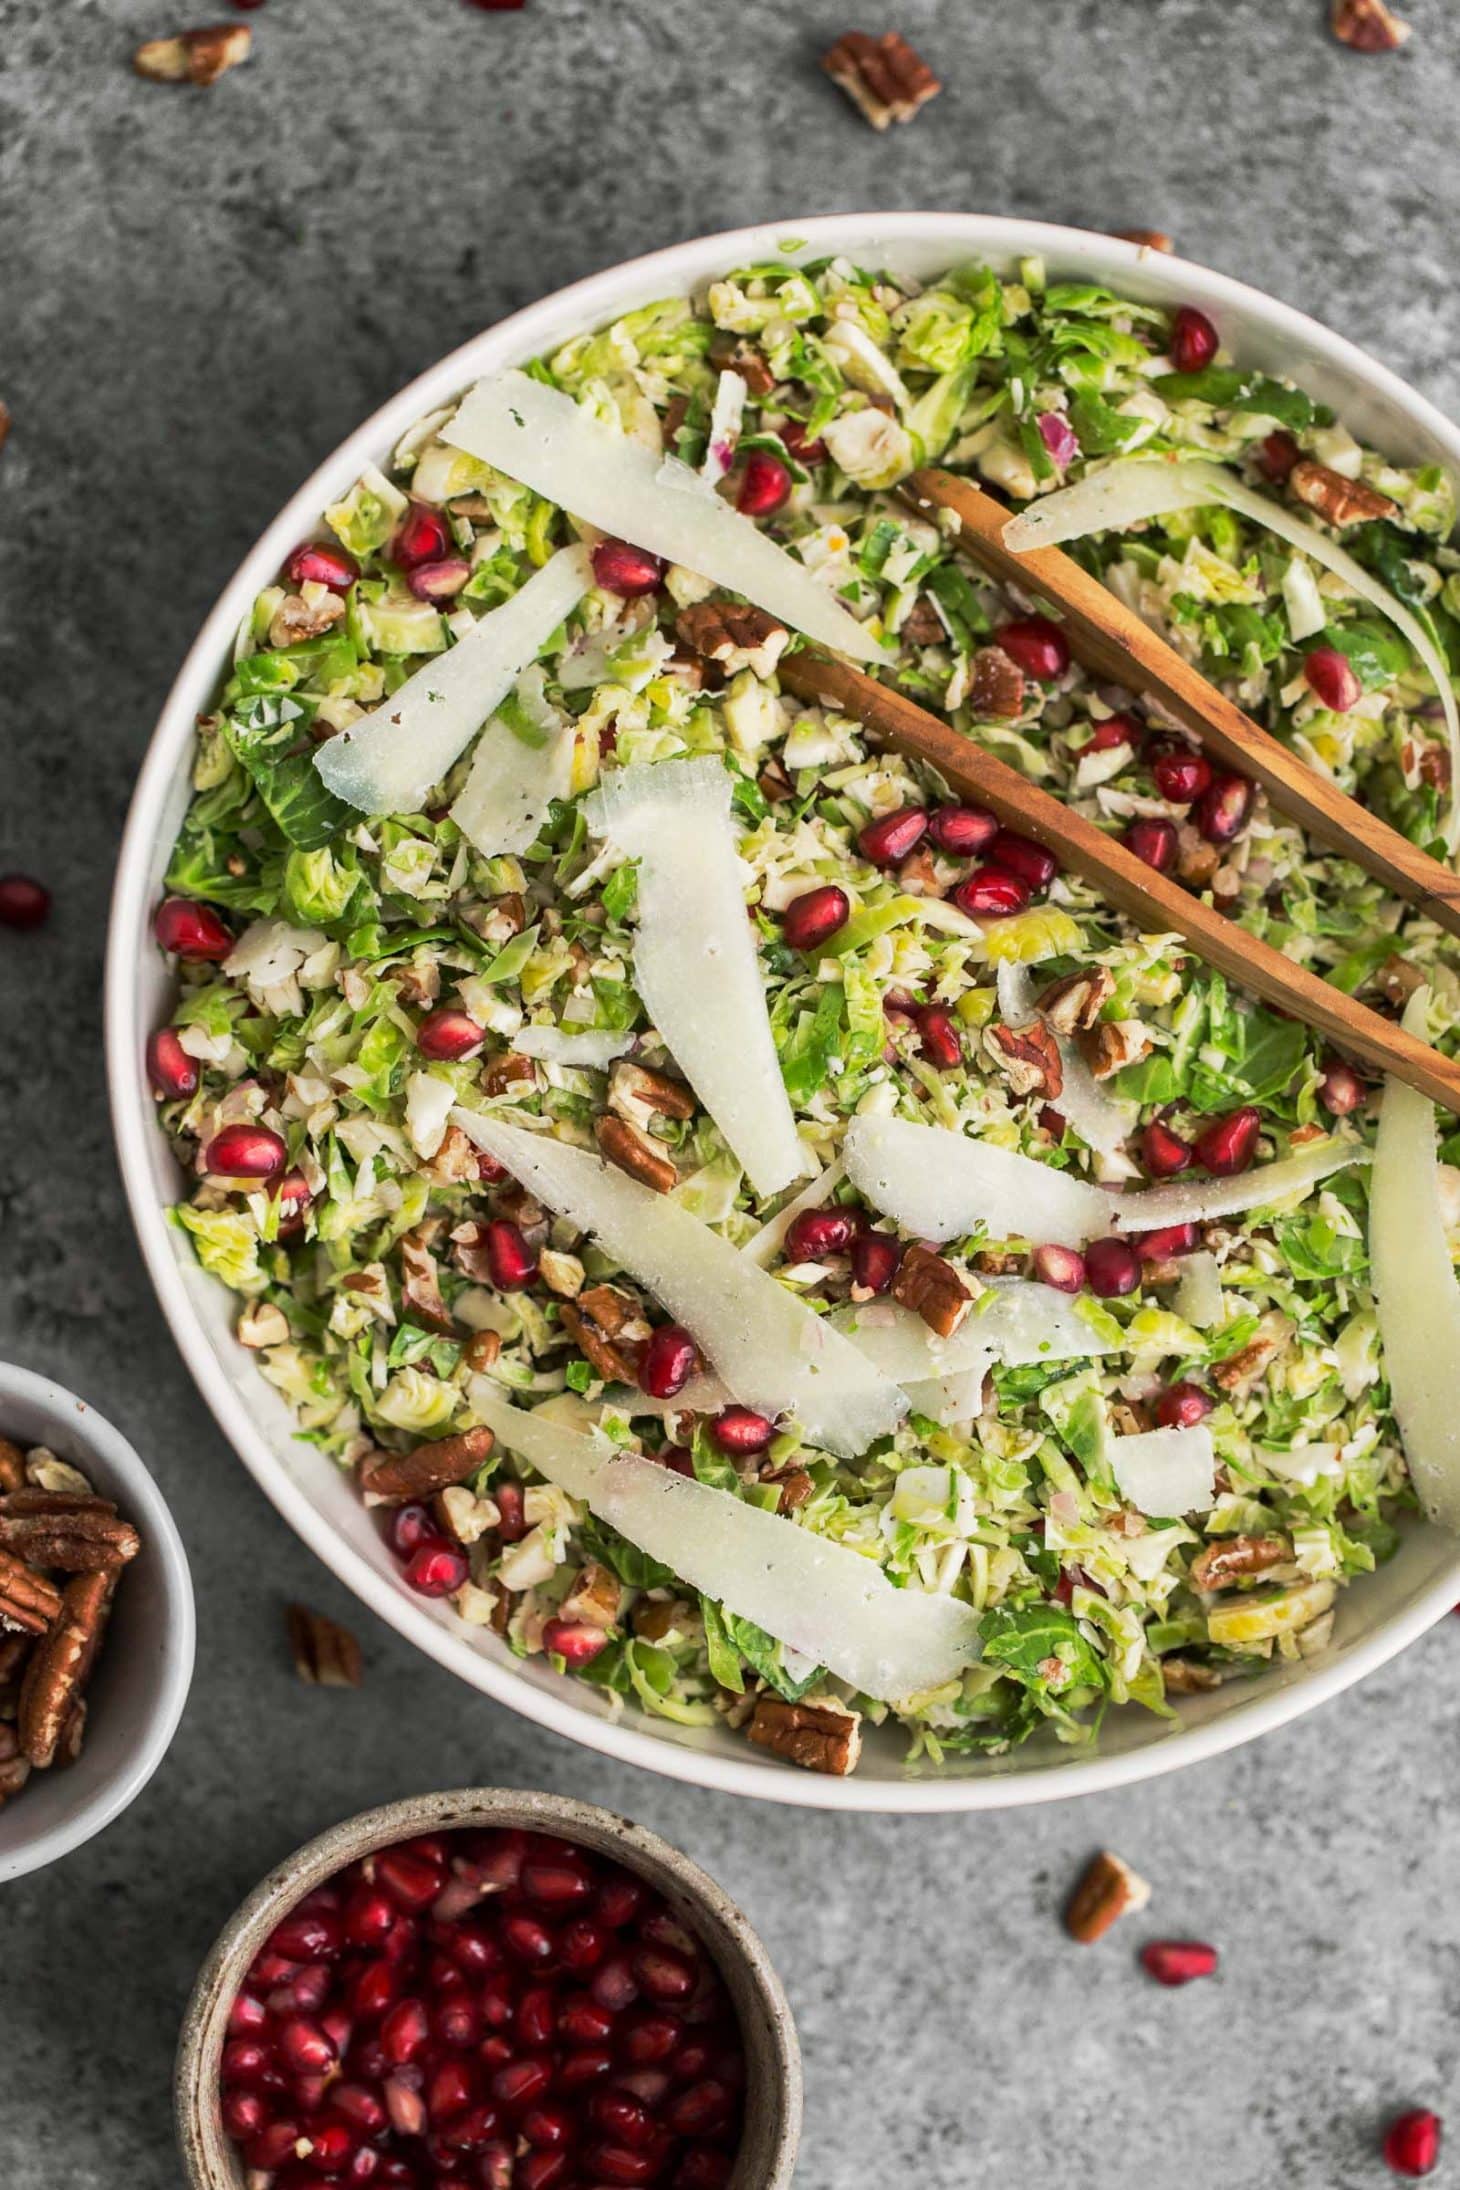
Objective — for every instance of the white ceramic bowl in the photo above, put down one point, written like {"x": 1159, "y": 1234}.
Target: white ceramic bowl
{"x": 140, "y": 1685}
{"x": 1378, "y": 1616}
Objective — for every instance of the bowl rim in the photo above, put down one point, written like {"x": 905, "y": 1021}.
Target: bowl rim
{"x": 594, "y": 299}
{"x": 728, "y": 1933}
{"x": 148, "y": 1510}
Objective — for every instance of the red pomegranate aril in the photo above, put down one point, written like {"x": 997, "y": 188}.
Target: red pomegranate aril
{"x": 450, "y": 2091}
{"x": 1116, "y": 730}
{"x": 1412, "y": 2142}
{"x": 526, "y": 1940}
{"x": 704, "y": 2167}
{"x": 1180, "y": 774}
{"x": 245, "y": 1152}
{"x": 1340, "y": 1090}
{"x": 647, "y": 2084}
{"x": 1221, "y": 812}
{"x": 246, "y": 2061}
{"x": 304, "y": 2048}
{"x": 449, "y": 1035}
{"x": 1194, "y": 340}
{"x": 511, "y": 1528}
{"x": 302, "y": 1994}
{"x": 1170, "y": 1240}
{"x": 809, "y": 453}
{"x": 1332, "y": 679}
{"x": 574, "y": 1641}
{"x": 543, "y": 2170}
{"x": 991, "y": 893}
{"x": 811, "y": 919}
{"x": 1154, "y": 841}
{"x": 360, "y": 2105}
{"x": 245, "y": 2115}
{"x": 663, "y": 1974}
{"x": 511, "y": 1259}
{"x": 1227, "y": 1145}
{"x": 186, "y": 929}
{"x": 625, "y": 570}
{"x": 651, "y": 2038}
{"x": 888, "y": 840}
{"x": 939, "y": 1039}
{"x": 537, "y": 2017}
{"x": 332, "y": 2145}
{"x": 583, "y": 1945}
{"x": 562, "y": 1884}
{"x": 1059, "y": 437}
{"x": 740, "y": 1431}
{"x": 875, "y": 1258}
{"x": 405, "y": 2106}
{"x": 965, "y": 831}
{"x": 623, "y": 1898}
{"x": 1022, "y": 857}
{"x": 580, "y": 2071}
{"x": 407, "y": 1528}
{"x": 499, "y": 2001}
{"x": 411, "y": 1876}
{"x": 24, "y": 902}
{"x": 436, "y": 1568}
{"x": 423, "y": 538}
{"x": 318, "y": 563}
{"x": 406, "y": 2032}
{"x": 247, "y": 2016}
{"x": 692, "y": 2061}
{"x": 171, "y": 1072}
{"x": 308, "y": 1935}
{"x": 614, "y": 1984}
{"x": 700, "y": 2110}
{"x": 458, "y": 2020}
{"x": 439, "y": 581}
{"x": 522, "y": 2082}
{"x": 291, "y": 1198}
{"x": 622, "y": 2118}
{"x": 1177, "y": 1961}
{"x": 765, "y": 485}
{"x": 1037, "y": 645}
{"x": 817, "y": 1233}
{"x": 619, "y": 2164}
{"x": 494, "y": 2166}
{"x": 1061, "y": 1267}
{"x": 1181, "y": 1406}
{"x": 582, "y": 2022}
{"x": 669, "y": 1361}
{"x": 548, "y": 2127}
{"x": 1164, "y": 1153}
{"x": 442, "y": 1974}
{"x": 1277, "y": 455}
{"x": 1112, "y": 1268}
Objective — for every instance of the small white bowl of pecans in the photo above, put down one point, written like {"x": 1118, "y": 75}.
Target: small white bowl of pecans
{"x": 96, "y": 1623}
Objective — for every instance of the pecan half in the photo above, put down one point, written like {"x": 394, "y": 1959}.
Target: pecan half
{"x": 399, "y": 1477}
{"x": 996, "y": 685}
{"x": 733, "y": 634}
{"x": 12, "y": 1466}
{"x": 73, "y": 1737}
{"x": 922, "y": 625}
{"x": 1075, "y": 1003}
{"x": 506, "y": 1072}
{"x": 638, "y": 1094}
{"x": 933, "y": 1289}
{"x": 1338, "y": 500}
{"x": 795, "y": 1486}
{"x": 1368, "y": 26}
{"x": 632, "y": 1151}
{"x": 884, "y": 78}
{"x": 296, "y": 619}
{"x": 1236, "y": 1557}
{"x": 61, "y": 1664}
{"x": 1111, "y": 1044}
{"x": 1149, "y": 239}
{"x": 325, "y": 1654}
{"x": 1028, "y": 1057}
{"x": 593, "y": 1322}
{"x": 14, "y": 1768}
{"x": 1241, "y": 1371}
{"x": 55, "y": 1528}
{"x": 194, "y": 56}
{"x": 594, "y": 1599}
{"x": 14, "y": 1650}
{"x": 481, "y": 1351}
{"x": 1108, "y": 1889}
{"x": 728, "y": 354}
{"x": 29, "y": 1602}
{"x": 819, "y": 1737}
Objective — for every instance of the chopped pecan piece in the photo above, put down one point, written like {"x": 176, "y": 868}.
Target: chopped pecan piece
{"x": 421, "y": 1281}
{"x": 638, "y": 1094}
{"x": 1111, "y": 1044}
{"x": 1186, "y": 1677}
{"x": 1074, "y": 1004}
{"x": 1028, "y": 1057}
{"x": 63, "y": 1529}
{"x": 194, "y": 56}
{"x": 456, "y": 1160}
{"x": 1149, "y": 239}
{"x": 14, "y": 1768}
{"x": 595, "y": 1341}
{"x": 1108, "y": 1889}
{"x": 1397, "y": 979}
{"x": 481, "y": 1351}
{"x": 933, "y": 1289}
{"x": 1368, "y": 26}
{"x": 73, "y": 1737}
{"x": 398, "y": 1477}
{"x": 29, "y": 1602}
{"x": 728, "y": 354}
{"x": 632, "y": 1151}
{"x": 883, "y": 77}
{"x": 733, "y": 634}
{"x": 419, "y": 986}
{"x": 996, "y": 685}
{"x": 61, "y": 1664}
{"x": 594, "y": 1599}
{"x": 261, "y": 1324}
{"x": 919, "y": 874}
{"x": 922, "y": 625}
{"x": 296, "y": 619}
{"x": 775, "y": 783}
{"x": 506, "y": 1072}
{"x": 1241, "y": 1371}
{"x": 14, "y": 1650}
{"x": 561, "y": 1274}
{"x": 1338, "y": 500}
{"x": 12, "y": 1466}
{"x": 1196, "y": 860}
{"x": 819, "y": 1736}
{"x": 795, "y": 1486}
{"x": 1235, "y": 1557}
{"x": 325, "y": 1654}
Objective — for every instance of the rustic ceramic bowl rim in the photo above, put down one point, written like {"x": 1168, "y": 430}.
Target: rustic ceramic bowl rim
{"x": 726, "y": 1932}
{"x": 1386, "y": 1622}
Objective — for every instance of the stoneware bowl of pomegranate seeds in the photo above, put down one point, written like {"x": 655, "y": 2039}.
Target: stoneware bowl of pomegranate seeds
{"x": 488, "y": 1991}
{"x": 955, "y": 1356}
{"x": 114, "y": 1679}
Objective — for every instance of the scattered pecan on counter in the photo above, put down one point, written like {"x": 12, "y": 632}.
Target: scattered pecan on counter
{"x": 325, "y": 1654}
{"x": 194, "y": 56}
{"x": 1368, "y": 26}
{"x": 1108, "y": 1889}
{"x": 1149, "y": 239}
{"x": 883, "y": 77}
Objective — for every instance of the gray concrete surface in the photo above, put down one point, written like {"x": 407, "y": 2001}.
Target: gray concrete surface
{"x": 199, "y": 294}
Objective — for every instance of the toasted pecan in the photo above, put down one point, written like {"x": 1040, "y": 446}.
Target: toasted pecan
{"x": 734, "y": 635}
{"x": 1076, "y": 1002}
{"x": 1368, "y": 26}
{"x": 933, "y": 1289}
{"x": 61, "y": 1664}
{"x": 922, "y": 625}
{"x": 637, "y": 1093}
{"x": 506, "y": 1072}
{"x": 29, "y": 1602}
{"x": 730, "y": 354}
{"x": 325, "y": 1654}
{"x": 1107, "y": 1890}
{"x": 819, "y": 1737}
{"x": 593, "y": 1342}
{"x": 12, "y": 1466}
{"x": 1338, "y": 500}
{"x": 398, "y": 1477}
{"x": 193, "y": 56}
{"x": 883, "y": 77}
{"x": 65, "y": 1530}
{"x": 1234, "y": 1558}
{"x": 632, "y": 1151}
{"x": 1112, "y": 1044}
{"x": 996, "y": 686}
{"x": 1029, "y": 1058}
{"x": 595, "y": 1597}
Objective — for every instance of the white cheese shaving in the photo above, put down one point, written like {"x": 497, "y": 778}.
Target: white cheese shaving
{"x": 1165, "y": 1473}
{"x": 594, "y": 1047}
{"x": 505, "y": 799}
{"x": 1197, "y": 1201}
{"x": 1014, "y": 1322}
{"x": 428, "y": 1106}
{"x": 938, "y": 1184}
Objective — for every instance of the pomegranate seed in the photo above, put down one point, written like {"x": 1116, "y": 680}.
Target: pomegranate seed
{"x": 962, "y": 830}
{"x": 622, "y": 2118}
{"x": 764, "y": 485}
{"x": 649, "y": 2084}
{"x": 407, "y": 1527}
{"x": 1340, "y": 1090}
{"x": 360, "y": 2105}
{"x": 582, "y": 2022}
{"x": 1412, "y": 2142}
{"x": 1177, "y": 1961}
{"x": 405, "y": 2106}
{"x": 670, "y": 1360}
{"x": 740, "y": 1431}
{"x": 333, "y": 2144}
{"x": 247, "y": 2061}
{"x": 1052, "y": 1121}
{"x": 1182, "y": 1406}
{"x": 547, "y": 2127}
{"x": 1059, "y": 437}
{"x": 308, "y": 1935}
{"x": 245, "y": 1152}
{"x": 991, "y": 892}
{"x": 526, "y": 1939}
{"x": 475, "y": 1952}
{"x": 1181, "y": 775}
{"x": 436, "y": 1568}
{"x": 664, "y": 1974}
{"x": 582, "y": 2070}
{"x": 412, "y": 1876}
{"x": 317, "y": 563}
{"x": 522, "y": 2082}
{"x": 1194, "y": 341}
{"x": 440, "y": 581}
{"x": 1114, "y": 731}
{"x": 939, "y": 1039}
{"x": 171, "y": 1072}
{"x": 891, "y": 837}
{"x": 450, "y": 2091}
{"x": 244, "y": 2115}
{"x": 1020, "y": 856}
{"x": 616, "y": 2164}
{"x": 1277, "y": 456}
{"x": 584, "y": 1945}
{"x": 1333, "y": 679}
{"x": 875, "y": 1257}
{"x": 247, "y": 2016}
{"x": 703, "y": 2167}
{"x": 304, "y": 1993}
{"x": 1112, "y": 1268}
{"x": 405, "y": 2032}
{"x": 449, "y": 1034}
{"x": 621, "y": 1899}
{"x": 699, "y": 2111}
{"x": 274, "y": 2145}
{"x": 24, "y": 902}
{"x": 1037, "y": 645}
{"x": 537, "y": 2017}
{"x": 650, "y": 2038}
{"x": 304, "y": 2049}
{"x": 1164, "y": 1153}
{"x": 1227, "y": 1145}
{"x": 1154, "y": 841}
{"x": 511, "y": 1529}
{"x": 615, "y": 1985}
{"x": 423, "y": 538}
{"x": 809, "y": 920}
{"x": 1171, "y": 1239}
{"x": 457, "y": 2021}
{"x": 817, "y": 1233}
{"x": 809, "y": 453}
{"x": 510, "y": 1259}
{"x": 1061, "y": 1267}
{"x": 625, "y": 570}
{"x": 1221, "y": 811}
{"x": 373, "y": 1988}
{"x": 291, "y": 1198}
{"x": 573, "y": 1641}
{"x": 542, "y": 2170}
{"x": 186, "y": 929}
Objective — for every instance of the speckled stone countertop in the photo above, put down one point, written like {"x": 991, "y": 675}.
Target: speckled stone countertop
{"x": 199, "y": 294}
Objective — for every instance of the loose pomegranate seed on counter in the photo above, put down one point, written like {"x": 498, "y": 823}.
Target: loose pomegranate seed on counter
{"x": 817, "y": 1233}
{"x": 423, "y": 537}
{"x": 441, "y": 580}
{"x": 511, "y": 1260}
{"x": 317, "y": 563}
{"x": 1183, "y": 1405}
{"x": 813, "y": 918}
{"x": 670, "y": 1360}
{"x": 573, "y": 1641}
{"x": 1061, "y": 1267}
{"x": 24, "y": 902}
{"x": 1112, "y": 1268}
{"x": 1221, "y": 811}
{"x": 1164, "y": 1153}
{"x": 436, "y": 1567}
{"x": 245, "y": 1152}
{"x": 1153, "y": 839}
{"x": 1332, "y": 679}
{"x": 171, "y": 1072}
{"x": 740, "y": 1431}
{"x": 1277, "y": 456}
{"x": 186, "y": 929}
{"x": 1340, "y": 1090}
{"x": 1172, "y": 1239}
{"x": 1412, "y": 2142}
{"x": 1227, "y": 1145}
{"x": 891, "y": 837}
{"x": 1021, "y": 857}
{"x": 765, "y": 485}
{"x": 1177, "y": 1961}
{"x": 1180, "y": 774}
{"x": 628, "y": 571}
{"x": 939, "y": 1038}
{"x": 965, "y": 831}
{"x": 1194, "y": 340}
{"x": 991, "y": 892}
{"x": 1037, "y": 645}
{"x": 875, "y": 1259}
{"x": 449, "y": 1035}
{"x": 1059, "y": 437}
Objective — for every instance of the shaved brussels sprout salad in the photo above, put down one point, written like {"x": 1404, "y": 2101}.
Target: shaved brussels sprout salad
{"x": 678, "y": 1074}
